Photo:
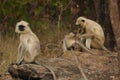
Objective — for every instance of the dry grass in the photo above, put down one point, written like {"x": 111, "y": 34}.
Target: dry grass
{"x": 8, "y": 49}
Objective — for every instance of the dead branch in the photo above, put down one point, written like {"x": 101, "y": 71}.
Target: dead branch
{"x": 80, "y": 67}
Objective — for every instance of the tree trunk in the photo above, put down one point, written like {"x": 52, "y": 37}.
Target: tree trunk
{"x": 114, "y": 8}
{"x": 115, "y": 20}
{"x": 103, "y": 17}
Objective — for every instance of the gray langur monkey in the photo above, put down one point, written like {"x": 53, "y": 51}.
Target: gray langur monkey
{"x": 73, "y": 42}
{"x": 29, "y": 47}
{"x": 93, "y": 33}
{"x": 68, "y": 42}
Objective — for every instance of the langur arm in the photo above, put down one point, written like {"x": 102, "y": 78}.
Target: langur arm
{"x": 87, "y": 35}
{"x": 20, "y": 54}
{"x": 88, "y": 38}
{"x": 88, "y": 43}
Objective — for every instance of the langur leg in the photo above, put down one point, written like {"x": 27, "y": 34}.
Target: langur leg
{"x": 21, "y": 52}
{"x": 88, "y": 38}
{"x": 88, "y": 43}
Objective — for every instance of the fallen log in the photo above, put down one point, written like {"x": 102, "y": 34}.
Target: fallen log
{"x": 29, "y": 72}
{"x": 63, "y": 71}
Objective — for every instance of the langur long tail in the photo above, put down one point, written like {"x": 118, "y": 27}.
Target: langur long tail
{"x": 78, "y": 42}
{"x": 46, "y": 66}
{"x": 104, "y": 48}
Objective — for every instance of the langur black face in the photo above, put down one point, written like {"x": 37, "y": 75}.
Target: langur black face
{"x": 21, "y": 27}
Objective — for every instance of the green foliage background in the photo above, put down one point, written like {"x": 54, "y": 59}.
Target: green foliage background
{"x": 12, "y": 11}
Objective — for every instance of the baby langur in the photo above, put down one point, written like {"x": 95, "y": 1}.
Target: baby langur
{"x": 68, "y": 42}
{"x": 93, "y": 33}
{"x": 29, "y": 47}
{"x": 72, "y": 42}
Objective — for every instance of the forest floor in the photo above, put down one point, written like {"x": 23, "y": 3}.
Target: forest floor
{"x": 100, "y": 66}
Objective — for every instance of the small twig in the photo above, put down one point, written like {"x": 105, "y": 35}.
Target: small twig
{"x": 51, "y": 44}
{"x": 80, "y": 67}
{"x": 67, "y": 5}
{"x": 60, "y": 17}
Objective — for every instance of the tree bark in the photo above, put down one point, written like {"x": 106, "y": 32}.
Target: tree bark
{"x": 114, "y": 8}
{"x": 115, "y": 20}
{"x": 103, "y": 17}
